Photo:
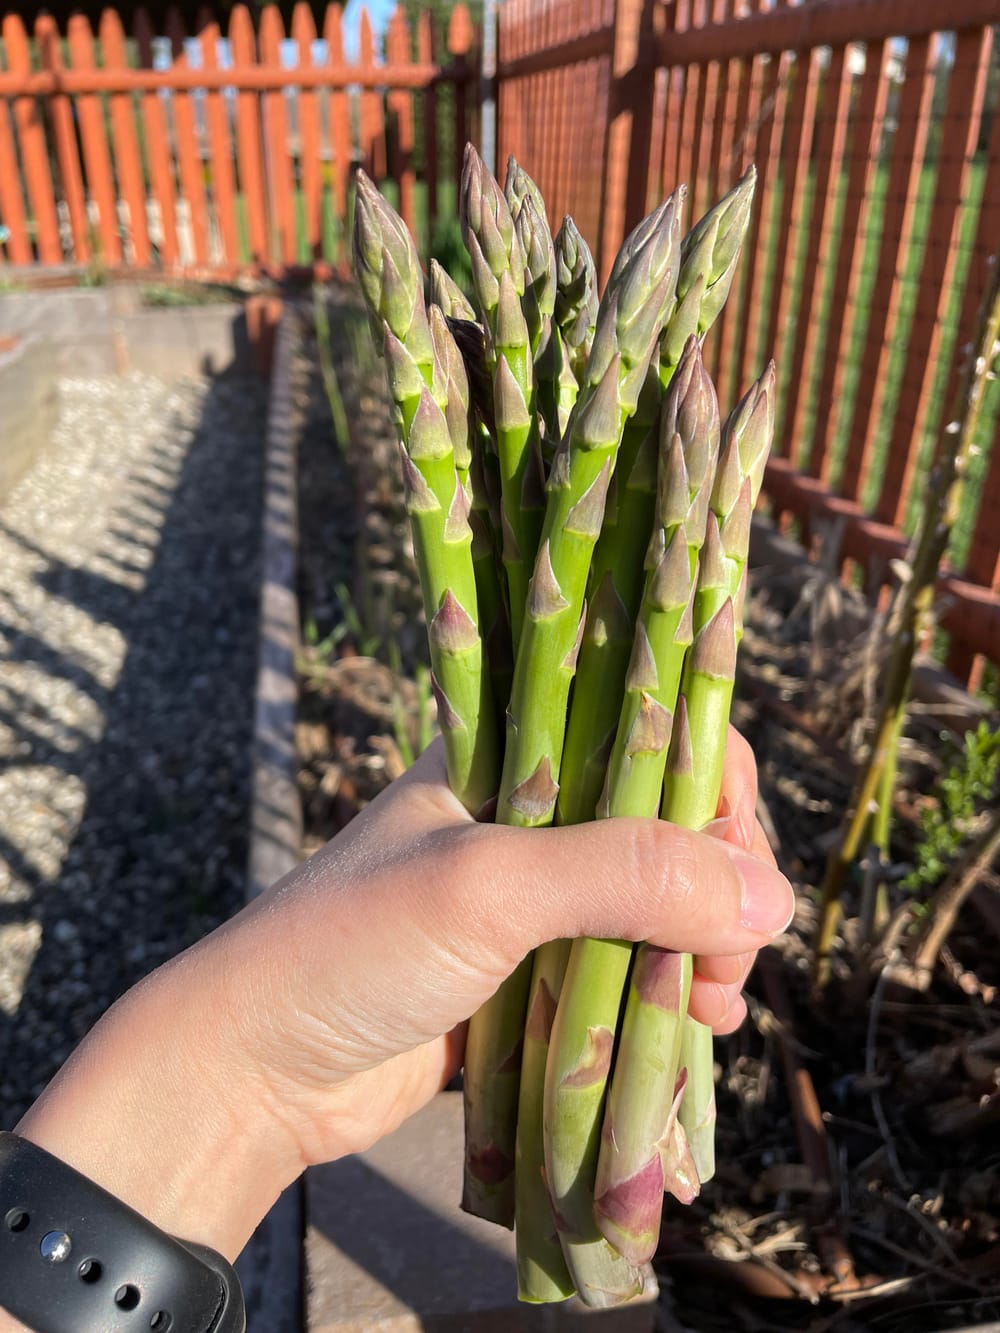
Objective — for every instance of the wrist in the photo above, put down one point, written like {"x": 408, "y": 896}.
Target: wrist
{"x": 162, "y": 1106}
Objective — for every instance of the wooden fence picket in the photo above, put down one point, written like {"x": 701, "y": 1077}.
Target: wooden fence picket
{"x": 371, "y": 116}
{"x": 249, "y": 155}
{"x": 963, "y": 110}
{"x": 67, "y": 153}
{"x": 909, "y": 146}
{"x": 280, "y": 170}
{"x": 131, "y": 183}
{"x": 158, "y": 154}
{"x": 34, "y": 152}
{"x": 186, "y": 138}
{"x": 304, "y": 35}
{"x": 219, "y": 144}
{"x": 868, "y": 130}
{"x": 12, "y": 212}
{"x": 96, "y": 158}
{"x": 425, "y": 54}
{"x": 340, "y": 125}
{"x": 400, "y": 104}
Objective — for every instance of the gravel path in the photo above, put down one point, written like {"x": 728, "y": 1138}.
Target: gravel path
{"x": 128, "y": 605}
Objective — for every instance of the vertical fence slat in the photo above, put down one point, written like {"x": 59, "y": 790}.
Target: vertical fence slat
{"x": 34, "y": 151}
{"x": 248, "y": 136}
{"x": 731, "y": 78}
{"x": 768, "y": 156}
{"x": 280, "y": 174}
{"x": 459, "y": 45}
{"x": 966, "y": 90}
{"x": 186, "y": 140}
{"x": 795, "y": 171}
{"x": 97, "y": 161}
{"x": 126, "y": 145}
{"x": 340, "y": 126}
{"x": 304, "y": 35}
{"x": 701, "y": 146}
{"x": 913, "y": 122}
{"x": 746, "y": 118}
{"x": 689, "y": 107}
{"x": 401, "y": 110}
{"x": 60, "y": 110}
{"x": 829, "y": 157}
{"x": 18, "y": 244}
{"x": 674, "y": 110}
{"x": 425, "y": 54}
{"x": 219, "y": 146}
{"x": 868, "y": 129}
{"x": 371, "y": 118}
{"x": 158, "y": 155}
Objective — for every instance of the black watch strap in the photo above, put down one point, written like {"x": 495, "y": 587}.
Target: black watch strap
{"x": 74, "y": 1259}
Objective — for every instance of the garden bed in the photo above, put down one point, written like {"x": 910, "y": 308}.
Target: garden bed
{"x": 859, "y": 1176}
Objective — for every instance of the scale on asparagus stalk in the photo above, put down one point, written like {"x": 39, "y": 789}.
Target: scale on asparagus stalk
{"x": 580, "y": 519}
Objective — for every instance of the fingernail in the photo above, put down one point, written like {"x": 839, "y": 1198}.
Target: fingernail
{"x": 768, "y": 903}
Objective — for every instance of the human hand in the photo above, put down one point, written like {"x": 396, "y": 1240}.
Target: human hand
{"x": 334, "y": 1006}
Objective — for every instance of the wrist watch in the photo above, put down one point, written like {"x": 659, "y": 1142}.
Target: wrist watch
{"x": 74, "y": 1259}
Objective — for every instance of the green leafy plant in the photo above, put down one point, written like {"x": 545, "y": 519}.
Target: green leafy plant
{"x": 945, "y": 826}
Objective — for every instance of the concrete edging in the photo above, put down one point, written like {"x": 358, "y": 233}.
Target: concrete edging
{"x": 270, "y": 1266}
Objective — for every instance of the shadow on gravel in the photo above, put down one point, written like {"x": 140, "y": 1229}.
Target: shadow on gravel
{"x": 158, "y": 856}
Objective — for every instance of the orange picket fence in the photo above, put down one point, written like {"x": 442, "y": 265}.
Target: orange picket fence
{"x": 225, "y": 149}
{"x": 876, "y": 135}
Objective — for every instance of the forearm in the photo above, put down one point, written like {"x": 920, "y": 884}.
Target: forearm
{"x": 161, "y": 1106}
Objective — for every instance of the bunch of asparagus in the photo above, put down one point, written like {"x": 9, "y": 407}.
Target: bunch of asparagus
{"x": 580, "y": 519}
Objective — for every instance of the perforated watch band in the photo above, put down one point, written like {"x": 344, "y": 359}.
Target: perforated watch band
{"x": 74, "y": 1259}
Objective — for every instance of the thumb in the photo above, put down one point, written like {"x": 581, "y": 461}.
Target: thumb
{"x": 511, "y": 889}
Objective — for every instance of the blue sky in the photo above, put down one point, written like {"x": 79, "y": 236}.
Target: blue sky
{"x": 378, "y": 12}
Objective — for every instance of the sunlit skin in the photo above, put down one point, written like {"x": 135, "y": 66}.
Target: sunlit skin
{"x": 334, "y": 1006}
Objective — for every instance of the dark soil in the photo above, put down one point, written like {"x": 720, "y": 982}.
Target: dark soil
{"x": 858, "y": 1183}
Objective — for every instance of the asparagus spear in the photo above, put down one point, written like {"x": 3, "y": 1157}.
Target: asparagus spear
{"x": 423, "y": 374}
{"x": 628, "y": 328}
{"x": 708, "y": 253}
{"x": 576, "y": 301}
{"x": 587, "y": 1015}
{"x": 632, "y": 1170}
{"x": 499, "y": 278}
{"x": 444, "y": 292}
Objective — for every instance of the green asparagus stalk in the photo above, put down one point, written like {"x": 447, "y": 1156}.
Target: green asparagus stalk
{"x": 576, "y": 302}
{"x": 616, "y": 580}
{"x": 422, "y": 374}
{"x": 444, "y": 292}
{"x": 587, "y": 1014}
{"x": 632, "y": 1169}
{"x": 628, "y": 328}
{"x": 498, "y": 275}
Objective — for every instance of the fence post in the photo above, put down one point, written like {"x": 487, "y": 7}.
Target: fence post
{"x": 628, "y": 140}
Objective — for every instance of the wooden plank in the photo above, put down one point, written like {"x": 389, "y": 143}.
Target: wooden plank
{"x": 158, "y": 154}
{"x": 219, "y": 144}
{"x": 626, "y": 135}
{"x": 968, "y": 610}
{"x": 400, "y": 102}
{"x": 913, "y": 122}
{"x": 425, "y": 54}
{"x": 18, "y": 245}
{"x": 746, "y": 117}
{"x": 869, "y": 127}
{"x": 310, "y": 161}
{"x": 573, "y": 51}
{"x": 96, "y": 159}
{"x": 186, "y": 143}
{"x": 829, "y": 158}
{"x": 371, "y": 114}
{"x": 983, "y": 561}
{"x": 280, "y": 174}
{"x": 795, "y": 168}
{"x": 60, "y": 113}
{"x": 751, "y": 350}
{"x": 821, "y": 23}
{"x": 42, "y": 83}
{"x": 669, "y": 177}
{"x": 34, "y": 151}
{"x": 708, "y": 84}
{"x": 459, "y": 44}
{"x": 249, "y": 156}
{"x": 963, "y": 111}
{"x": 689, "y": 109}
{"x": 731, "y": 78}
{"x": 340, "y": 126}
{"x": 126, "y": 144}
